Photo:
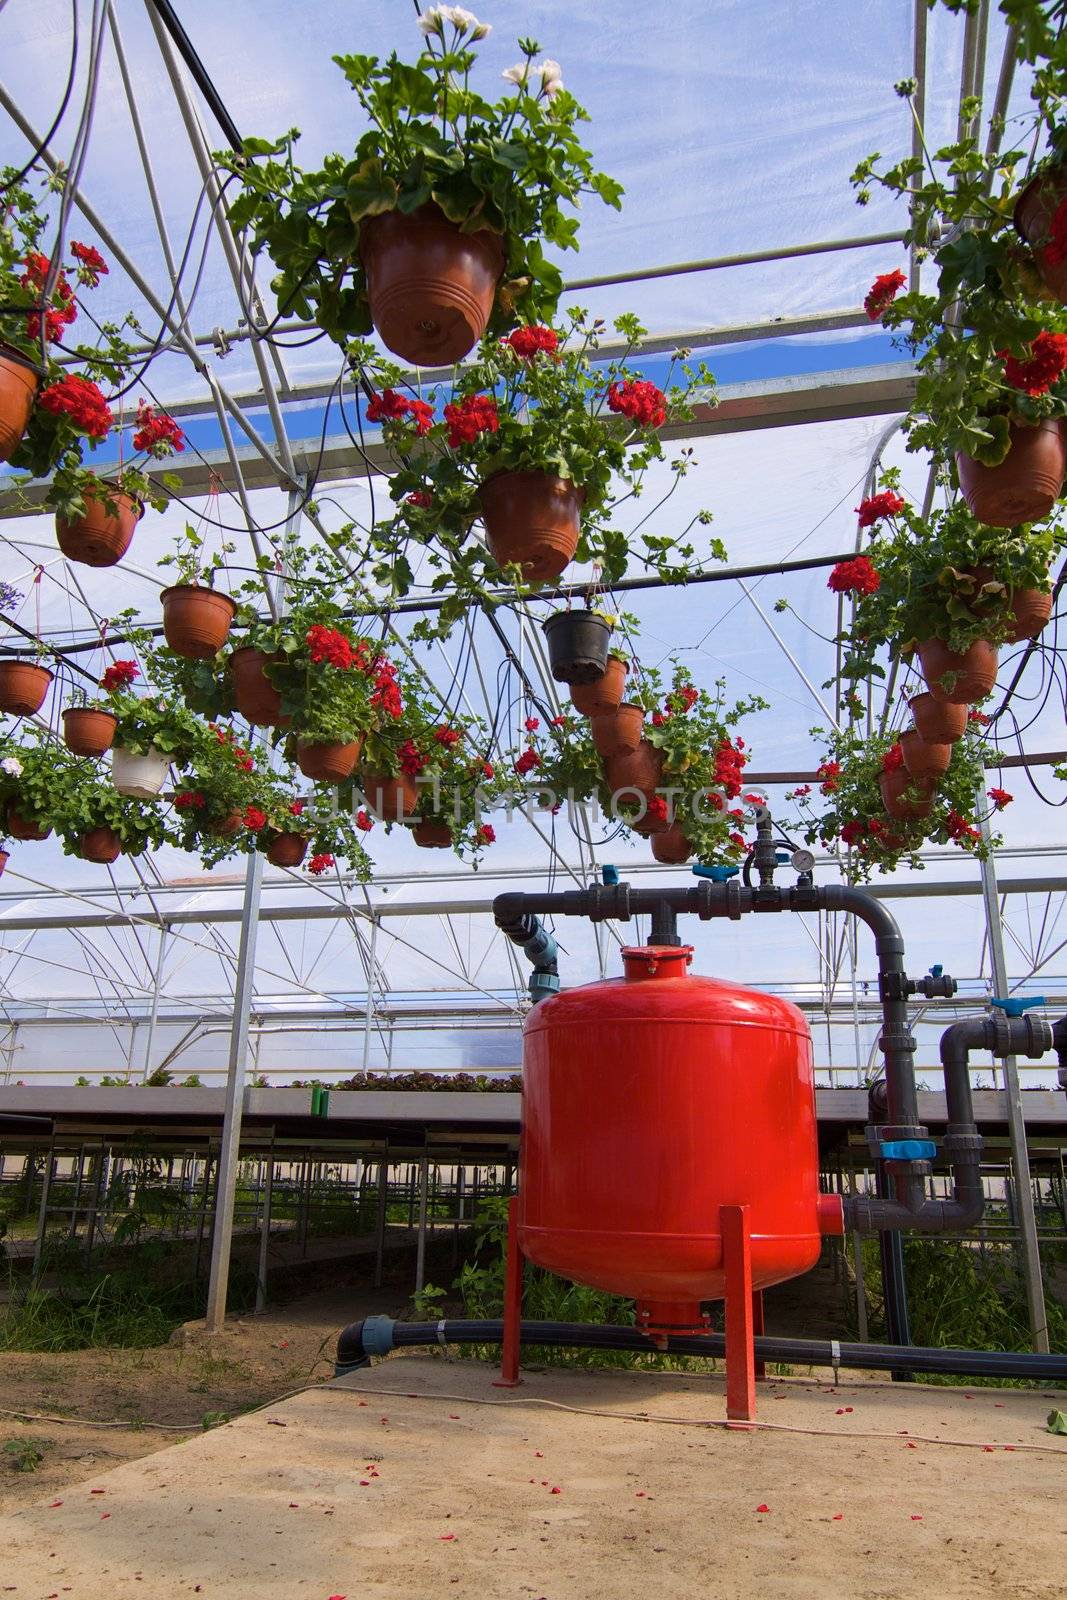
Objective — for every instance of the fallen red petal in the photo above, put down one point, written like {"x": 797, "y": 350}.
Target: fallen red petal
{"x": 838, "y": 1516}
{"x": 763, "y": 1508}
{"x": 539, "y": 1454}
{"x": 558, "y": 1490}
{"x": 453, "y": 1416}
{"x": 364, "y": 1483}
{"x": 104, "y": 1515}
{"x": 446, "y": 1536}
{"x": 54, "y": 1504}
{"x": 916, "y": 1516}
{"x": 988, "y": 1447}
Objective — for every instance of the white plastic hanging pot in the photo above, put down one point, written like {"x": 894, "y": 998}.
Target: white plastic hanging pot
{"x": 141, "y": 777}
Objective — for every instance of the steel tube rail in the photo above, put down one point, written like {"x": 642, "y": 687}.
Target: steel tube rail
{"x": 746, "y": 258}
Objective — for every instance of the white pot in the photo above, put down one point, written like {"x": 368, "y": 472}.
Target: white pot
{"x": 141, "y": 777}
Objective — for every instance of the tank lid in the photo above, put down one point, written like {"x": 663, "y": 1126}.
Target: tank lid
{"x": 643, "y": 962}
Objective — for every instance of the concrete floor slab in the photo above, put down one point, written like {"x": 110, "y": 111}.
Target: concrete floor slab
{"x": 418, "y": 1479}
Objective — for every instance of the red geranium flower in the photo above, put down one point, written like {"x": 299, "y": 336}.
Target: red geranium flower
{"x": 828, "y": 772}
{"x": 558, "y": 722}
{"x": 364, "y": 821}
{"x": 58, "y": 316}
{"x": 738, "y": 839}
{"x": 420, "y": 498}
{"x": 801, "y": 793}
{"x": 882, "y": 293}
{"x": 447, "y": 736}
{"x": 321, "y": 863}
{"x": 960, "y": 830}
{"x": 531, "y": 724}
{"x": 526, "y": 342}
{"x": 389, "y": 406}
{"x": 157, "y": 433}
{"x": 386, "y": 694}
{"x": 254, "y": 819}
{"x": 657, "y": 808}
{"x": 486, "y": 834}
{"x": 411, "y": 761}
{"x": 328, "y": 645}
{"x": 857, "y": 576}
{"x": 297, "y": 808}
{"x": 977, "y": 717}
{"x": 1000, "y": 798}
{"x": 1046, "y": 363}
{"x": 527, "y": 762}
{"x": 81, "y": 401}
{"x": 189, "y": 800}
{"x": 469, "y": 418}
{"x": 852, "y": 831}
{"x": 877, "y": 506}
{"x": 1056, "y": 249}
{"x": 91, "y": 264}
{"x": 119, "y": 675}
{"x": 639, "y": 400}
{"x": 488, "y": 769}
{"x": 893, "y": 759}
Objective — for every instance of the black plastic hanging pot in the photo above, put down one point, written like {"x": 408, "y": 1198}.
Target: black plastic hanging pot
{"x": 577, "y": 645}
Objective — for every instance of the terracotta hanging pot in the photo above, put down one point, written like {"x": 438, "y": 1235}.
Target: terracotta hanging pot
{"x": 88, "y": 732}
{"x": 938, "y": 721}
{"x": 391, "y": 799}
{"x": 960, "y": 679}
{"x": 226, "y": 826}
{"x": 1034, "y": 211}
{"x": 23, "y": 686}
{"x": 430, "y": 286}
{"x": 532, "y": 520}
{"x": 603, "y": 694}
{"x": 1031, "y": 609}
{"x": 5, "y": 857}
{"x": 257, "y": 699}
{"x": 19, "y": 380}
{"x": 1026, "y": 484}
{"x": 100, "y": 537}
{"x": 618, "y": 732}
{"x": 577, "y": 645}
{"x": 639, "y": 769}
{"x": 672, "y": 847}
{"x": 20, "y": 827}
{"x": 432, "y": 834}
{"x": 916, "y": 802}
{"x": 139, "y": 776}
{"x": 923, "y": 759}
{"x": 650, "y": 826}
{"x": 287, "y": 849}
{"x": 196, "y": 621}
{"x": 328, "y": 763}
{"x": 100, "y": 844}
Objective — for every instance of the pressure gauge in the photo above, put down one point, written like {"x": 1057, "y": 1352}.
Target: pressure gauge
{"x": 802, "y": 861}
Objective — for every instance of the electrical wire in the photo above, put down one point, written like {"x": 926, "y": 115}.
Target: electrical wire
{"x": 13, "y": 183}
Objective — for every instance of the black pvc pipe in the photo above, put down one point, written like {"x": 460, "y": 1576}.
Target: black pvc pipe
{"x": 596, "y": 1336}
{"x": 184, "y": 45}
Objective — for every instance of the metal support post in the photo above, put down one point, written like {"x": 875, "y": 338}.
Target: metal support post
{"x": 420, "y": 1248}
{"x": 154, "y": 1012}
{"x": 230, "y": 1149}
{"x": 379, "y": 1225}
{"x": 861, "y": 1288}
{"x": 46, "y": 1184}
{"x": 1020, "y": 1155}
{"x": 740, "y": 1332}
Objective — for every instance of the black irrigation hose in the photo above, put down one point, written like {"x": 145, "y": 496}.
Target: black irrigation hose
{"x": 802, "y": 1352}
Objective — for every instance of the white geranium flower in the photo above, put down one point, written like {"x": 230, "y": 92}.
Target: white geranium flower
{"x": 460, "y": 18}
{"x": 551, "y": 72}
{"x": 12, "y": 766}
{"x": 518, "y": 74}
{"x": 432, "y": 21}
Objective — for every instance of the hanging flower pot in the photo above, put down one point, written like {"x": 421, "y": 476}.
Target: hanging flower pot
{"x": 327, "y": 763}
{"x": 924, "y": 759}
{"x": 100, "y": 537}
{"x": 431, "y": 287}
{"x": 904, "y": 796}
{"x": 1025, "y": 486}
{"x": 577, "y": 646}
{"x": 88, "y": 732}
{"x": 19, "y": 379}
{"x": 603, "y": 694}
{"x": 140, "y": 777}
{"x": 287, "y": 849}
{"x": 100, "y": 844}
{"x": 532, "y": 520}
{"x": 618, "y": 732}
{"x": 1035, "y": 210}
{"x": 1031, "y": 609}
{"x": 653, "y": 823}
{"x": 959, "y": 679}
{"x": 391, "y": 799}
{"x": 432, "y": 834}
{"x": 226, "y": 826}
{"x": 938, "y": 721}
{"x": 23, "y": 686}
{"x": 257, "y": 699}
{"x": 639, "y": 769}
{"x": 671, "y": 848}
{"x": 4, "y": 859}
{"x": 196, "y": 621}
{"x": 20, "y": 827}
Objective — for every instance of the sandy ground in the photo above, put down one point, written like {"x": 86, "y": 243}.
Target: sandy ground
{"x": 418, "y": 1478}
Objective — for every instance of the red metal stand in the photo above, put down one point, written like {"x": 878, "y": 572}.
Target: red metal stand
{"x": 757, "y": 1329}
{"x": 740, "y": 1352}
{"x": 509, "y": 1363}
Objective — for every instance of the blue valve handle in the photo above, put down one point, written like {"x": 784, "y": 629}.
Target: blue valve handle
{"x": 907, "y": 1149}
{"x": 609, "y": 874}
{"x": 716, "y": 874}
{"x": 1014, "y": 1007}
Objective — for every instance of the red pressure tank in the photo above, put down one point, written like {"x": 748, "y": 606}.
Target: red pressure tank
{"x": 649, "y": 1101}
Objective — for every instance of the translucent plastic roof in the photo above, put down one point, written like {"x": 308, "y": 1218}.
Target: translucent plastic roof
{"x": 734, "y": 129}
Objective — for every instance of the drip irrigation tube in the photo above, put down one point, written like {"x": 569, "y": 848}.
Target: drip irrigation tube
{"x": 377, "y": 1336}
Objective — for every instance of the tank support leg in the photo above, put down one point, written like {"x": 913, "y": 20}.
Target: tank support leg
{"x": 509, "y": 1364}
{"x": 740, "y": 1351}
{"x": 757, "y": 1329}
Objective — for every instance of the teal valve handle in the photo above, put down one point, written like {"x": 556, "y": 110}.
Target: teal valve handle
{"x": 1015, "y": 1006}
{"x": 716, "y": 874}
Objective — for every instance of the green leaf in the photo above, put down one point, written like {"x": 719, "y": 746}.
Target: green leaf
{"x": 370, "y": 192}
